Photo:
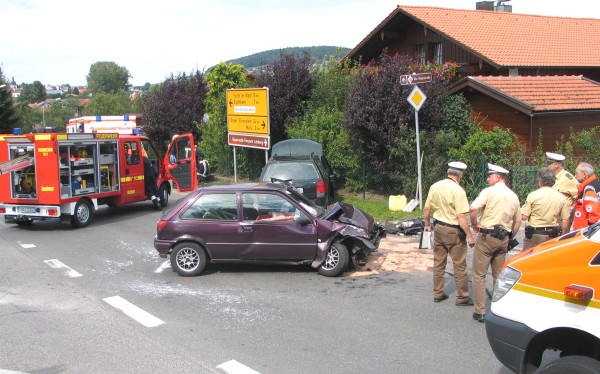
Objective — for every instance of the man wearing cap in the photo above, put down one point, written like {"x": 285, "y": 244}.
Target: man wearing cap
{"x": 587, "y": 205}
{"x": 565, "y": 181}
{"x": 545, "y": 210}
{"x": 500, "y": 214}
{"x": 448, "y": 201}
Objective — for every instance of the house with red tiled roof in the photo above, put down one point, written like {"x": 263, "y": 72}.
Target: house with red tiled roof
{"x": 518, "y": 49}
{"x": 529, "y": 105}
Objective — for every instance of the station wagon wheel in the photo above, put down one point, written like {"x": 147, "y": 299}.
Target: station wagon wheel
{"x": 336, "y": 261}
{"x": 188, "y": 259}
{"x": 82, "y": 216}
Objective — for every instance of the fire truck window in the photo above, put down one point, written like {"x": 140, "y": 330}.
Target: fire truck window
{"x": 132, "y": 153}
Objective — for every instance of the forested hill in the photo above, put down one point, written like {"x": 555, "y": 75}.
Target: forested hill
{"x": 266, "y": 57}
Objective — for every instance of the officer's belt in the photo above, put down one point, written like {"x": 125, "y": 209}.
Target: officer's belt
{"x": 544, "y": 230}
{"x": 436, "y": 222}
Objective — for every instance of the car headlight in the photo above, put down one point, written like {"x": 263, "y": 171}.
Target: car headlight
{"x": 505, "y": 281}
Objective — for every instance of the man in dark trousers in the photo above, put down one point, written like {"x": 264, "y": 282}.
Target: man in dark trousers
{"x": 150, "y": 181}
{"x": 448, "y": 202}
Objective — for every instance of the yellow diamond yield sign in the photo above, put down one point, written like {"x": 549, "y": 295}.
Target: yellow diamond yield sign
{"x": 416, "y": 98}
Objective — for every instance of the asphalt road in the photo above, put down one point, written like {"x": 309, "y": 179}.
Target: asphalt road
{"x": 235, "y": 319}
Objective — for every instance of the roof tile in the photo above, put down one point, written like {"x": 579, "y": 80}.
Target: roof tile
{"x": 511, "y": 39}
{"x": 547, "y": 93}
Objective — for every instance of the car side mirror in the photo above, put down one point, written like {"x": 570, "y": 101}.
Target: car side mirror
{"x": 302, "y": 220}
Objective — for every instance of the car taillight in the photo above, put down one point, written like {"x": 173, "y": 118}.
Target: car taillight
{"x": 321, "y": 187}
{"x": 161, "y": 225}
{"x": 2, "y": 210}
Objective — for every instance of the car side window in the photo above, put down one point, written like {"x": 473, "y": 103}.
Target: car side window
{"x": 216, "y": 206}
{"x": 267, "y": 207}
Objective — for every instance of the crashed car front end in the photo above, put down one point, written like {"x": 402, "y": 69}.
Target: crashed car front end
{"x": 352, "y": 227}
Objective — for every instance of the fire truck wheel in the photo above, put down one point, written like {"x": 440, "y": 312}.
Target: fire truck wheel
{"x": 163, "y": 193}
{"x": 83, "y": 214}
{"x": 571, "y": 364}
{"x": 188, "y": 259}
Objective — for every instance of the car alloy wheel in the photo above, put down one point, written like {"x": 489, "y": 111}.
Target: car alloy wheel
{"x": 188, "y": 259}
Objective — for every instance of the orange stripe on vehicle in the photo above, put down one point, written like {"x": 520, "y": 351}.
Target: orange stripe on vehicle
{"x": 555, "y": 295}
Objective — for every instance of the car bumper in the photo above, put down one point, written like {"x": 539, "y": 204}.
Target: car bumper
{"x": 162, "y": 246}
{"x": 508, "y": 339}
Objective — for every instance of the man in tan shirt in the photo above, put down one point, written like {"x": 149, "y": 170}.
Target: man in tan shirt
{"x": 565, "y": 181}
{"x": 545, "y": 210}
{"x": 500, "y": 213}
{"x": 448, "y": 202}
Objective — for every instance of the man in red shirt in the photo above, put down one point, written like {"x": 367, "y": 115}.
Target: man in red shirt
{"x": 587, "y": 205}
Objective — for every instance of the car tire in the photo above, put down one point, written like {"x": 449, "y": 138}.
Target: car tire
{"x": 82, "y": 216}
{"x": 163, "y": 195}
{"x": 336, "y": 260}
{"x": 571, "y": 365}
{"x": 188, "y": 259}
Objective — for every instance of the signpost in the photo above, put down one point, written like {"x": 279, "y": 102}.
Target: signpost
{"x": 248, "y": 120}
{"x": 416, "y": 99}
{"x": 415, "y": 78}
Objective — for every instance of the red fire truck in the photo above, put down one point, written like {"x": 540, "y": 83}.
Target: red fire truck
{"x": 67, "y": 176}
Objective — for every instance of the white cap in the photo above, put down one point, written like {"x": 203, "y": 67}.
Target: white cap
{"x": 457, "y": 165}
{"x": 555, "y": 157}
{"x": 495, "y": 169}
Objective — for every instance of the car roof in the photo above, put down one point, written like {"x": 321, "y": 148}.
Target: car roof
{"x": 248, "y": 186}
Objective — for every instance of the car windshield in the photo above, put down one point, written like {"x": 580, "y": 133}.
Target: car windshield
{"x": 315, "y": 210}
{"x": 291, "y": 170}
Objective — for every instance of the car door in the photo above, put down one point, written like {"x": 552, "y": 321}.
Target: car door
{"x": 132, "y": 171}
{"x": 180, "y": 162}
{"x": 270, "y": 232}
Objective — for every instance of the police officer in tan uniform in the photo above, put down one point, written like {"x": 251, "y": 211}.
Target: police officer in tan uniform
{"x": 565, "y": 181}
{"x": 448, "y": 202}
{"x": 495, "y": 214}
{"x": 545, "y": 210}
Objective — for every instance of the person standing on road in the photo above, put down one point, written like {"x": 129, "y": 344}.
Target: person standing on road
{"x": 500, "y": 217}
{"x": 545, "y": 210}
{"x": 150, "y": 181}
{"x": 565, "y": 182}
{"x": 448, "y": 201}
{"x": 587, "y": 206}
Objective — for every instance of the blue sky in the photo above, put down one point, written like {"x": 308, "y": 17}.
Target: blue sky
{"x": 57, "y": 41}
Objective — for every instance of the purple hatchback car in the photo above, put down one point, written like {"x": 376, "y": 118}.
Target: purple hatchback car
{"x": 264, "y": 223}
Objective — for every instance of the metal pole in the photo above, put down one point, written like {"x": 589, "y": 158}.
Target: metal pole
{"x": 234, "y": 166}
{"x": 418, "y": 161}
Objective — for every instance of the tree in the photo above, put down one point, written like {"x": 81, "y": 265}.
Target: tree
{"x": 75, "y": 91}
{"x": 8, "y": 115}
{"x": 33, "y": 93}
{"x": 381, "y": 122}
{"x": 290, "y": 83}
{"x": 175, "y": 107}
{"x": 214, "y": 131}
{"x": 107, "y": 77}
{"x": 105, "y": 104}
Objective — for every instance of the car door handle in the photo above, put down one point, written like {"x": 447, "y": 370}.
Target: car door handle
{"x": 246, "y": 229}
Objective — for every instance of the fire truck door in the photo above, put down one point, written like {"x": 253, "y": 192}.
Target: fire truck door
{"x": 180, "y": 162}
{"x": 132, "y": 172}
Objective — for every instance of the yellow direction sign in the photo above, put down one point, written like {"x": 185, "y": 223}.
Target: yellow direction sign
{"x": 248, "y": 110}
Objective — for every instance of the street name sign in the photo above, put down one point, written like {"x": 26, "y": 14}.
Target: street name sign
{"x": 415, "y": 78}
{"x": 249, "y": 141}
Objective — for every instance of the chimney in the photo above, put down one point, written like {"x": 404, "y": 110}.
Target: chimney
{"x": 498, "y": 7}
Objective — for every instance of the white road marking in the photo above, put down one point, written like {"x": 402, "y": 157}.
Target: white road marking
{"x": 133, "y": 311}
{"x": 163, "y": 266}
{"x": 55, "y": 264}
{"x": 26, "y": 245}
{"x": 234, "y": 367}
{"x": 4, "y": 371}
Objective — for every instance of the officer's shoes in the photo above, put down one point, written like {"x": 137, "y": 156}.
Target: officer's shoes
{"x": 440, "y": 299}
{"x": 156, "y": 203}
{"x": 479, "y": 317}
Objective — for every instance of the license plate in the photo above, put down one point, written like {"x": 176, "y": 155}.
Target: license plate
{"x": 26, "y": 209}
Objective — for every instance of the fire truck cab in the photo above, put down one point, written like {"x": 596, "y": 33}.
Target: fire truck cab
{"x": 68, "y": 176}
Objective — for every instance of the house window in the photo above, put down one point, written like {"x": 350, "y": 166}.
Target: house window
{"x": 437, "y": 53}
{"x": 421, "y": 53}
